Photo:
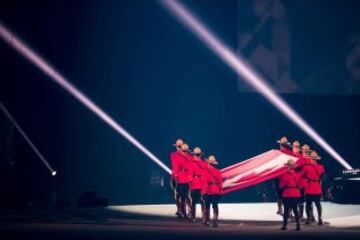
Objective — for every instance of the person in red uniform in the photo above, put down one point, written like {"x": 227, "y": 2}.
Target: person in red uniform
{"x": 305, "y": 159}
{"x": 296, "y": 147}
{"x": 212, "y": 190}
{"x": 181, "y": 171}
{"x": 173, "y": 182}
{"x": 283, "y": 147}
{"x": 196, "y": 175}
{"x": 290, "y": 185}
{"x": 313, "y": 172}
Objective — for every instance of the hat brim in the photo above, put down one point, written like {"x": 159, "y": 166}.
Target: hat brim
{"x": 212, "y": 162}
{"x": 192, "y": 152}
{"x": 287, "y": 143}
{"x": 286, "y": 164}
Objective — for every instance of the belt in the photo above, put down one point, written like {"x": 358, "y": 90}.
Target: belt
{"x": 311, "y": 180}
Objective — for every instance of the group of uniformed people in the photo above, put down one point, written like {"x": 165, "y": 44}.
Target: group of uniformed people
{"x": 300, "y": 184}
{"x": 195, "y": 180}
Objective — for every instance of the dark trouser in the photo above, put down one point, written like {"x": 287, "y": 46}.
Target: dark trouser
{"x": 173, "y": 185}
{"x": 183, "y": 190}
{"x": 213, "y": 200}
{"x": 309, "y": 199}
{"x": 195, "y": 195}
{"x": 290, "y": 203}
{"x": 301, "y": 203}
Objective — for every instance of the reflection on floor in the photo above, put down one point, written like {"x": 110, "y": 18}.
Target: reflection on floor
{"x": 336, "y": 215}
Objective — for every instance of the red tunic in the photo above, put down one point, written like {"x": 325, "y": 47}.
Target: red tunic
{"x": 290, "y": 183}
{"x": 212, "y": 181}
{"x": 312, "y": 173}
{"x": 296, "y": 154}
{"x": 285, "y": 150}
{"x": 180, "y": 166}
{"x": 300, "y": 163}
{"x": 196, "y": 173}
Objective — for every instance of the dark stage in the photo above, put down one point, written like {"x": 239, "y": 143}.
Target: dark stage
{"x": 103, "y": 104}
{"x": 109, "y": 223}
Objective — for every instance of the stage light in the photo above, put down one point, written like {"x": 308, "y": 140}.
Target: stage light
{"x": 53, "y": 74}
{"x": 53, "y": 173}
{"x": 27, "y": 139}
{"x": 242, "y": 68}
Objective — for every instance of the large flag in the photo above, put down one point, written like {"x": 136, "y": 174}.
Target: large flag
{"x": 254, "y": 170}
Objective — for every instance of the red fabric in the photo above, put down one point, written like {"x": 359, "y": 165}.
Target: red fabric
{"x": 255, "y": 170}
{"x": 312, "y": 172}
{"x": 299, "y": 166}
{"x": 196, "y": 173}
{"x": 180, "y": 166}
{"x": 290, "y": 183}
{"x": 212, "y": 181}
{"x": 296, "y": 154}
{"x": 286, "y": 150}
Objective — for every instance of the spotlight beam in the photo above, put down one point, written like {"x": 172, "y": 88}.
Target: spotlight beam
{"x": 27, "y": 139}
{"x": 54, "y": 75}
{"x": 242, "y": 68}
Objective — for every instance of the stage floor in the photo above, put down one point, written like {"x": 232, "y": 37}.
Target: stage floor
{"x": 336, "y": 215}
{"x": 255, "y": 221}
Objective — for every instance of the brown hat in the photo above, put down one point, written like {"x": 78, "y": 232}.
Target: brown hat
{"x": 290, "y": 163}
{"x": 196, "y": 150}
{"x": 283, "y": 141}
{"x": 184, "y": 147}
{"x": 305, "y": 148}
{"x": 212, "y": 160}
{"x": 296, "y": 144}
{"x": 315, "y": 156}
{"x": 178, "y": 143}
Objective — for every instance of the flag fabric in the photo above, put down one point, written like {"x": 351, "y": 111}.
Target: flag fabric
{"x": 258, "y": 169}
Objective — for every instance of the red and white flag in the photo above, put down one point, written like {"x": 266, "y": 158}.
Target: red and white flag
{"x": 254, "y": 170}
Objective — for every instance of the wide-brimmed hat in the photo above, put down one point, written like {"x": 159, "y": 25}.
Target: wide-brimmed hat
{"x": 290, "y": 163}
{"x": 283, "y": 141}
{"x": 197, "y": 151}
{"x": 296, "y": 144}
{"x": 184, "y": 147}
{"x": 178, "y": 143}
{"x": 305, "y": 148}
{"x": 212, "y": 160}
{"x": 315, "y": 156}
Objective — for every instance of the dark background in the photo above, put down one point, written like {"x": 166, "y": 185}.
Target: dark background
{"x": 159, "y": 82}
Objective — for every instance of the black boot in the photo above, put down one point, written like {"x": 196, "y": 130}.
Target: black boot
{"x": 308, "y": 214}
{"x": 203, "y": 212}
{"x": 285, "y": 221}
{"x": 297, "y": 224}
{"x": 319, "y": 210}
{"x": 183, "y": 209}
{"x": 207, "y": 217}
{"x": 312, "y": 214}
{"x": 301, "y": 212}
{"x": 192, "y": 213}
{"x": 178, "y": 207}
{"x": 215, "y": 220}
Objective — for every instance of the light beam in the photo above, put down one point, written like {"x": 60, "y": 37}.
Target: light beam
{"x": 53, "y": 74}
{"x": 239, "y": 65}
{"x": 27, "y": 139}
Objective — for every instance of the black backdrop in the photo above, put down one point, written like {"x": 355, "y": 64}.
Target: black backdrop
{"x": 159, "y": 82}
